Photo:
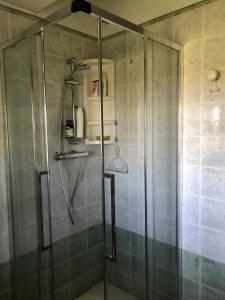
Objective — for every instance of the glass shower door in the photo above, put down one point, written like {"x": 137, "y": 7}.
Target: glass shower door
{"x": 28, "y": 169}
{"x": 123, "y": 114}
{"x": 162, "y": 170}
{"x": 141, "y": 222}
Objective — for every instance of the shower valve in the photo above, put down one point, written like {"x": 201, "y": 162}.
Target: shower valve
{"x": 73, "y": 141}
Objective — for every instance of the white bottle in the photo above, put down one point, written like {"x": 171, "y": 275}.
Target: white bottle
{"x": 80, "y": 123}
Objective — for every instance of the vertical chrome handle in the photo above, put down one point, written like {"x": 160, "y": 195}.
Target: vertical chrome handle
{"x": 40, "y": 210}
{"x": 112, "y": 257}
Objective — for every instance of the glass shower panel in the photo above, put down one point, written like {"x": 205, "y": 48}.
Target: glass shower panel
{"x": 78, "y": 255}
{"x": 123, "y": 101}
{"x": 25, "y": 178}
{"x": 162, "y": 163}
{"x": 42, "y": 166}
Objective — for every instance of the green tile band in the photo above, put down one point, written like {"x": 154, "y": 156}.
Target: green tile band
{"x": 82, "y": 253}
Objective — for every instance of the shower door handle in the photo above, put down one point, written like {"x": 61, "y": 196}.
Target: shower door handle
{"x": 40, "y": 210}
{"x": 112, "y": 257}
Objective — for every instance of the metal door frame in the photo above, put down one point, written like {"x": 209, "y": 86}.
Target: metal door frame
{"x": 8, "y": 160}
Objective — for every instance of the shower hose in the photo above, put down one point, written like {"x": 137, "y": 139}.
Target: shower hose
{"x": 68, "y": 202}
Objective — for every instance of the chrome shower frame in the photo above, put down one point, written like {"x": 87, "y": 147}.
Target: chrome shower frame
{"x": 103, "y": 15}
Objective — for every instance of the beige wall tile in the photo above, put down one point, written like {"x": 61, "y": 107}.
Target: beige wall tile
{"x": 213, "y": 18}
{"x": 191, "y": 120}
{"x": 18, "y": 23}
{"x": 4, "y": 26}
{"x": 213, "y": 54}
{"x": 187, "y": 27}
{"x": 192, "y": 88}
{"x": 192, "y": 57}
{"x": 163, "y": 28}
{"x": 213, "y": 119}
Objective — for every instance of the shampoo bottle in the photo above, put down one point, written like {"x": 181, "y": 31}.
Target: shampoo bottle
{"x": 69, "y": 129}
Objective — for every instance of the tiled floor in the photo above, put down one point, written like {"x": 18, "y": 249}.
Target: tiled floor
{"x": 114, "y": 293}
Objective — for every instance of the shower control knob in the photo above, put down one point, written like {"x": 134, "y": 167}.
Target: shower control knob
{"x": 213, "y": 75}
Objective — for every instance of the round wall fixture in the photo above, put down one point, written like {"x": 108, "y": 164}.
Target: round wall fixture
{"x": 213, "y": 75}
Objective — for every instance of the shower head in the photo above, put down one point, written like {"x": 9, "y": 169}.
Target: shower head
{"x": 75, "y": 66}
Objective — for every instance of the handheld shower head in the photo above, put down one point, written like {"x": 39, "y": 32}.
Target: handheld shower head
{"x": 75, "y": 66}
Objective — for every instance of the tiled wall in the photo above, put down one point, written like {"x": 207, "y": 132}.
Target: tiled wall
{"x": 202, "y": 206}
{"x": 82, "y": 271}
{"x": 201, "y": 33}
{"x": 127, "y": 51}
{"x": 129, "y": 271}
{"x": 78, "y": 266}
{"x": 78, "y": 262}
{"x": 87, "y": 203}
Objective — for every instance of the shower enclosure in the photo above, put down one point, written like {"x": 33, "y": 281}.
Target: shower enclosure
{"x": 79, "y": 230}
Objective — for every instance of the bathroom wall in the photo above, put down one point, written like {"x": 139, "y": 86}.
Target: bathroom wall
{"x": 127, "y": 51}
{"x": 87, "y": 206}
{"x": 202, "y": 209}
{"x": 201, "y": 33}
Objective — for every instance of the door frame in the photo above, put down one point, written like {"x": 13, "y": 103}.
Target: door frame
{"x": 40, "y": 229}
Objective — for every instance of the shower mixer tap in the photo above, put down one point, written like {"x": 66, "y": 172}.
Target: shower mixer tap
{"x": 73, "y": 141}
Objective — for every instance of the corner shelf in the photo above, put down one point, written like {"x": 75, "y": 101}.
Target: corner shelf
{"x": 92, "y": 103}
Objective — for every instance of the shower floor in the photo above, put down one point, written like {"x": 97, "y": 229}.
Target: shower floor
{"x": 96, "y": 293}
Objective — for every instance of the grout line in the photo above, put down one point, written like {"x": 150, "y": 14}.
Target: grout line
{"x": 213, "y": 229}
{"x": 215, "y": 290}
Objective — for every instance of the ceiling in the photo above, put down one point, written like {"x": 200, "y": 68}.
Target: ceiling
{"x": 29, "y": 6}
{"x": 135, "y": 11}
